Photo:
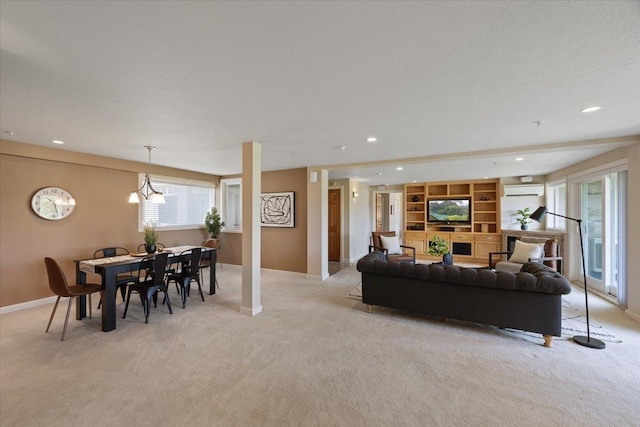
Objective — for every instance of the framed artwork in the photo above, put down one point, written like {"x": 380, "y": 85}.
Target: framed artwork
{"x": 277, "y": 209}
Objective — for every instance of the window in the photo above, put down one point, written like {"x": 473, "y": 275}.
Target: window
{"x": 557, "y": 203}
{"x": 231, "y": 204}
{"x": 186, "y": 203}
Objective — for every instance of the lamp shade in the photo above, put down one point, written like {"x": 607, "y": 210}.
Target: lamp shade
{"x": 539, "y": 214}
{"x": 134, "y": 198}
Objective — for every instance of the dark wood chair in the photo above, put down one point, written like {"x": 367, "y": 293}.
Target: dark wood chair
{"x": 549, "y": 256}
{"x": 142, "y": 247}
{"x": 150, "y": 281}
{"x": 122, "y": 279}
{"x": 189, "y": 271}
{"x": 408, "y": 253}
{"x": 60, "y": 287}
{"x": 206, "y": 261}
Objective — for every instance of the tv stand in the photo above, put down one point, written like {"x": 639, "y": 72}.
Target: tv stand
{"x": 467, "y": 242}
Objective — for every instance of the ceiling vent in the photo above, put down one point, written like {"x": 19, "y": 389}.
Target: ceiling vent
{"x": 524, "y": 190}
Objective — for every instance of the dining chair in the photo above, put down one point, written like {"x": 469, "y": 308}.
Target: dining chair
{"x": 189, "y": 271}
{"x": 121, "y": 279}
{"x": 60, "y": 287}
{"x": 210, "y": 258}
{"x": 141, "y": 247}
{"x": 150, "y": 281}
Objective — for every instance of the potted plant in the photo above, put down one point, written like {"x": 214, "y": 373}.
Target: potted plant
{"x": 524, "y": 217}
{"x": 212, "y": 223}
{"x": 439, "y": 247}
{"x": 150, "y": 236}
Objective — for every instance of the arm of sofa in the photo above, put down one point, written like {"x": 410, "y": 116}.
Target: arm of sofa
{"x": 549, "y": 258}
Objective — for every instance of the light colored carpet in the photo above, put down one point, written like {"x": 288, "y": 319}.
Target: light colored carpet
{"x": 313, "y": 357}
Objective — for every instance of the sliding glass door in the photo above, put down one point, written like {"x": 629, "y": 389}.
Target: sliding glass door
{"x": 603, "y": 207}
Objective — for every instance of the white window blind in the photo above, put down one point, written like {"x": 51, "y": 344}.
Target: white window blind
{"x": 186, "y": 203}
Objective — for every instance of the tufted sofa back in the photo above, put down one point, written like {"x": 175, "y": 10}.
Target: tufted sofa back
{"x": 533, "y": 277}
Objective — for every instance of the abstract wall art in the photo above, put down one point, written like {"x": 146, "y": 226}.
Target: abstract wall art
{"x": 277, "y": 209}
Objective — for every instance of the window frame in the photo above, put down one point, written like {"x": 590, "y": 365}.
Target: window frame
{"x": 156, "y": 180}
{"x": 224, "y": 185}
{"x": 553, "y": 203}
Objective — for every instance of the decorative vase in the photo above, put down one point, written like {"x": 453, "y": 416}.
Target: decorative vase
{"x": 151, "y": 249}
{"x": 447, "y": 259}
{"x": 524, "y": 227}
{"x": 415, "y": 199}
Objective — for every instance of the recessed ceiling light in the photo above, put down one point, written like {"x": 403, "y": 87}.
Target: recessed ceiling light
{"x": 379, "y": 173}
{"x": 372, "y": 139}
{"x": 590, "y": 109}
{"x": 55, "y": 141}
{"x": 9, "y": 132}
{"x": 519, "y": 159}
{"x": 414, "y": 181}
{"x": 340, "y": 147}
{"x": 399, "y": 168}
{"x": 485, "y": 177}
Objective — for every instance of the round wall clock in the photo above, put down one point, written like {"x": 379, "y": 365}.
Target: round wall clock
{"x": 52, "y": 203}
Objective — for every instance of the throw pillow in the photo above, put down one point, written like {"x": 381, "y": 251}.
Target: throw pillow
{"x": 391, "y": 244}
{"x": 524, "y": 251}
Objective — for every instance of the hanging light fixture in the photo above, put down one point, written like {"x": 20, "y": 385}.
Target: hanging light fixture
{"x": 147, "y": 191}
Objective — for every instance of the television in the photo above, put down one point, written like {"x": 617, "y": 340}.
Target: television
{"x": 449, "y": 211}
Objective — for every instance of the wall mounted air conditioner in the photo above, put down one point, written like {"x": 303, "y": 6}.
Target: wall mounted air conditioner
{"x": 524, "y": 190}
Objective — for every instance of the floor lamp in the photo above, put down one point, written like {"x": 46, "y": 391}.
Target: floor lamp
{"x": 587, "y": 341}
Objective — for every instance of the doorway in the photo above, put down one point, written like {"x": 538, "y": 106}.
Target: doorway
{"x": 334, "y": 225}
{"x": 388, "y": 212}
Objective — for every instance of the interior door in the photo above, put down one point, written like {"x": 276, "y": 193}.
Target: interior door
{"x": 334, "y": 225}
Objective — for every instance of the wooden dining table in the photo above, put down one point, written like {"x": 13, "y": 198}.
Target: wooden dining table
{"x": 109, "y": 268}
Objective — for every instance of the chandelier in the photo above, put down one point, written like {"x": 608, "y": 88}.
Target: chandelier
{"x": 147, "y": 191}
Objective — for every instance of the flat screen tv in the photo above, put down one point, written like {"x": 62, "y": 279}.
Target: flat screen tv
{"x": 449, "y": 211}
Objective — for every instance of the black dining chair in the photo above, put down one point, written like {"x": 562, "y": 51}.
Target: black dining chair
{"x": 209, "y": 258}
{"x": 142, "y": 247}
{"x": 150, "y": 281}
{"x": 121, "y": 279}
{"x": 60, "y": 287}
{"x": 189, "y": 271}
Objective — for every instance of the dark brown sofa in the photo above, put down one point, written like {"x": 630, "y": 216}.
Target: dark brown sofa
{"x": 529, "y": 300}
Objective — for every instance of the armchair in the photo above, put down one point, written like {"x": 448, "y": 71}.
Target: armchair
{"x": 408, "y": 253}
{"x": 548, "y": 257}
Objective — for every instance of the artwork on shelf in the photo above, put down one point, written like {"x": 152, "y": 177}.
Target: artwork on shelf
{"x": 277, "y": 209}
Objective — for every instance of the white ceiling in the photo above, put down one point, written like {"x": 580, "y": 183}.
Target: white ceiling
{"x": 456, "y": 84}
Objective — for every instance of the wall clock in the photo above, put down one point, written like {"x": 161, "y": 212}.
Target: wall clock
{"x": 52, "y": 203}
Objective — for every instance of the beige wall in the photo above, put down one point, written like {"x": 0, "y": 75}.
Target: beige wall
{"x": 282, "y": 248}
{"x": 102, "y": 217}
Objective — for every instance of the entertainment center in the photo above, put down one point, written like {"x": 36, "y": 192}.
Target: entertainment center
{"x": 464, "y": 213}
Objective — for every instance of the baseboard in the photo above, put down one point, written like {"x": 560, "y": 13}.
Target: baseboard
{"x": 632, "y": 315}
{"x": 251, "y": 311}
{"x": 28, "y": 304}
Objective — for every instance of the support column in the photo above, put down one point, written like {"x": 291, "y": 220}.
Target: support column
{"x": 251, "y": 242}
{"x": 317, "y": 224}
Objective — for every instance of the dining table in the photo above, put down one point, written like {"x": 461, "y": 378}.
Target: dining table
{"x": 109, "y": 268}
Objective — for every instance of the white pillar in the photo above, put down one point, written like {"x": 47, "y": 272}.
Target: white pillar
{"x": 317, "y": 224}
{"x": 251, "y": 188}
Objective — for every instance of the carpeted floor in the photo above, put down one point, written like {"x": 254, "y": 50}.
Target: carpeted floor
{"x": 313, "y": 357}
